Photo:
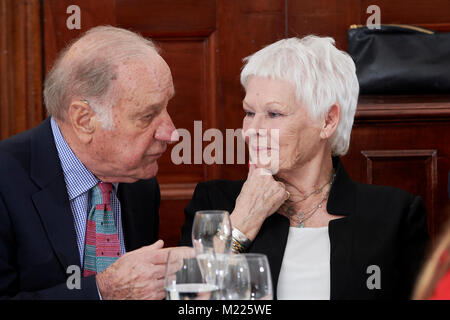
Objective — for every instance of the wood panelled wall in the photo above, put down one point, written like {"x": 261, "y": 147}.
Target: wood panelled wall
{"x": 396, "y": 140}
{"x": 20, "y": 66}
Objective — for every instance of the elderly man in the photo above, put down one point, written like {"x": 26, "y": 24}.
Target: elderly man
{"x": 78, "y": 191}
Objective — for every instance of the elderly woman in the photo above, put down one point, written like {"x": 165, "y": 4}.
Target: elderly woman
{"x": 326, "y": 236}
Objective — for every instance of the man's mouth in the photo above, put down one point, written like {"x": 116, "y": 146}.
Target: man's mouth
{"x": 156, "y": 155}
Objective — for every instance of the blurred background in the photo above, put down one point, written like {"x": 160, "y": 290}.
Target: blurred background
{"x": 397, "y": 140}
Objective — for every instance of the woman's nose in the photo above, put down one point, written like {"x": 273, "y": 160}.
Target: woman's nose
{"x": 255, "y": 127}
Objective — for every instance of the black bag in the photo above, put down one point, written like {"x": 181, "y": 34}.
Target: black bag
{"x": 400, "y": 59}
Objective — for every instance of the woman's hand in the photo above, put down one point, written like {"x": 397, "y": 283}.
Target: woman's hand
{"x": 260, "y": 197}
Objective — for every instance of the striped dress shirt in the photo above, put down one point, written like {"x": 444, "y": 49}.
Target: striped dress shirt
{"x": 79, "y": 180}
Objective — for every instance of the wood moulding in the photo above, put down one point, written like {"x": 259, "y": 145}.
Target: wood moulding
{"x": 20, "y": 66}
{"x": 403, "y": 108}
{"x": 177, "y": 191}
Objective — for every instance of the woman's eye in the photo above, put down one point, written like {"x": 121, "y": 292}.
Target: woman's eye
{"x": 249, "y": 113}
{"x": 274, "y": 114}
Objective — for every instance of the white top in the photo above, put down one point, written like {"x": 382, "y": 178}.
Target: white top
{"x": 305, "y": 270}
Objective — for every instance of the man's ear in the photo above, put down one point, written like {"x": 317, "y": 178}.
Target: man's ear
{"x": 331, "y": 121}
{"x": 83, "y": 120}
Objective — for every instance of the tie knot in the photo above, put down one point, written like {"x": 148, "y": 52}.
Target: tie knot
{"x": 105, "y": 188}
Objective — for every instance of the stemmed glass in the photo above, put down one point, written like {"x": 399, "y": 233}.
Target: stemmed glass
{"x": 236, "y": 281}
{"x": 260, "y": 276}
{"x": 183, "y": 279}
{"x": 211, "y": 238}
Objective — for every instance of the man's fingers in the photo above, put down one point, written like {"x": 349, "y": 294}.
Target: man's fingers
{"x": 157, "y": 245}
{"x": 158, "y": 256}
{"x": 158, "y": 271}
{"x": 157, "y": 290}
{"x": 185, "y": 252}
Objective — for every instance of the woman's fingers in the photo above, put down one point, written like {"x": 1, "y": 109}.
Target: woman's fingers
{"x": 278, "y": 196}
{"x": 263, "y": 191}
{"x": 251, "y": 169}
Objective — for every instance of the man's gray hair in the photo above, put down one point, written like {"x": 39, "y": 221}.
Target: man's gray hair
{"x": 321, "y": 74}
{"x": 87, "y": 69}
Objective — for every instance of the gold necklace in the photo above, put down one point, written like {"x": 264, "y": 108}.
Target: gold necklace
{"x": 317, "y": 191}
{"x": 306, "y": 215}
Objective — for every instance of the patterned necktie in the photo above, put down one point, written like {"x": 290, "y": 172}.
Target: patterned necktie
{"x": 102, "y": 246}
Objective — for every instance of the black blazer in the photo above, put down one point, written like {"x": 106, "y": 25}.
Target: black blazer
{"x": 383, "y": 226}
{"x": 37, "y": 233}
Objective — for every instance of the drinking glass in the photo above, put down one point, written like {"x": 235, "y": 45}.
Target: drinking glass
{"x": 183, "y": 278}
{"x": 260, "y": 276}
{"x": 236, "y": 281}
{"x": 211, "y": 238}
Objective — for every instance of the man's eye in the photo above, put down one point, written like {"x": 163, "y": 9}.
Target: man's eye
{"x": 147, "y": 117}
{"x": 274, "y": 114}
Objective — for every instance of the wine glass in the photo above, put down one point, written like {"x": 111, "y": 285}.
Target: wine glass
{"x": 236, "y": 281}
{"x": 260, "y": 276}
{"x": 211, "y": 231}
{"x": 211, "y": 238}
{"x": 183, "y": 279}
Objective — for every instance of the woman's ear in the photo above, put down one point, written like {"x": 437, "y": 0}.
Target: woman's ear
{"x": 82, "y": 119}
{"x": 331, "y": 121}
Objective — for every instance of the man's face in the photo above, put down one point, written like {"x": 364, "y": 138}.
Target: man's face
{"x": 142, "y": 126}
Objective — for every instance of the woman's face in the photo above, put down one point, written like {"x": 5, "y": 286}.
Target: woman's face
{"x": 271, "y": 104}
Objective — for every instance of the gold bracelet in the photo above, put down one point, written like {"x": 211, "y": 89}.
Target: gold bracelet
{"x": 236, "y": 246}
{"x": 241, "y": 238}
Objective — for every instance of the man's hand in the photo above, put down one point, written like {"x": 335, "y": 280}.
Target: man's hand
{"x": 138, "y": 274}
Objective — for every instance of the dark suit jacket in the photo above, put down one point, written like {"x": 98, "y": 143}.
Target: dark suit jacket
{"x": 383, "y": 226}
{"x": 37, "y": 233}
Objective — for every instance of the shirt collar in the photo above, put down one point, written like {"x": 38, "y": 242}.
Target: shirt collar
{"x": 78, "y": 178}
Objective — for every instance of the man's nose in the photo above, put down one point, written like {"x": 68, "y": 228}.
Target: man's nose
{"x": 166, "y": 130}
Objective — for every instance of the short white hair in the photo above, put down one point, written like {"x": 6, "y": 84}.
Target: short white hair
{"x": 87, "y": 69}
{"x": 321, "y": 74}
